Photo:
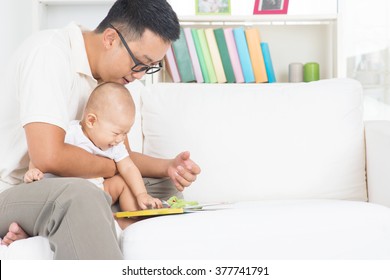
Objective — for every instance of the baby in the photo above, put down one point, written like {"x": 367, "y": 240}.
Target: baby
{"x": 108, "y": 117}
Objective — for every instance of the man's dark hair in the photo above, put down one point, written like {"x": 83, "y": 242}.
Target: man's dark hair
{"x": 132, "y": 17}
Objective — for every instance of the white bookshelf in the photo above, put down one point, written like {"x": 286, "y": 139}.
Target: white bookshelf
{"x": 292, "y": 38}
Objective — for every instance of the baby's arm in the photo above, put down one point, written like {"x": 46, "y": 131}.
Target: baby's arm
{"x": 133, "y": 179}
{"x": 33, "y": 174}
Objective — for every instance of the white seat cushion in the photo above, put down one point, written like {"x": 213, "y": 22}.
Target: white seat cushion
{"x": 34, "y": 248}
{"x": 296, "y": 229}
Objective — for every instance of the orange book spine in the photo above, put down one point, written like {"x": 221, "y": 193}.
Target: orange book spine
{"x": 253, "y": 39}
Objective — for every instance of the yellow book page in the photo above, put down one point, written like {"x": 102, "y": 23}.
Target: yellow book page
{"x": 149, "y": 212}
{"x": 215, "y": 56}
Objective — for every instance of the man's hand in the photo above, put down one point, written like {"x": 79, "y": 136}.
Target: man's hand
{"x": 183, "y": 171}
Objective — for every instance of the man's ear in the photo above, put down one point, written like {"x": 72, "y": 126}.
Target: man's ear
{"x": 109, "y": 37}
{"x": 90, "y": 120}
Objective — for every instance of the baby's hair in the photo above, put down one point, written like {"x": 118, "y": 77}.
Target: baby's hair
{"x": 110, "y": 96}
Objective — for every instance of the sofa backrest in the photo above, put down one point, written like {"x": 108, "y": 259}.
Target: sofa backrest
{"x": 261, "y": 141}
{"x": 135, "y": 135}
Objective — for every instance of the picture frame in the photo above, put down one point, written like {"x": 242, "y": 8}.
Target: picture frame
{"x": 212, "y": 7}
{"x": 270, "y": 7}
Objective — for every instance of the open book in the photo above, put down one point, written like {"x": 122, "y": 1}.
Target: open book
{"x": 169, "y": 211}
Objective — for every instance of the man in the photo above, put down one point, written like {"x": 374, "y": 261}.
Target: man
{"x": 47, "y": 86}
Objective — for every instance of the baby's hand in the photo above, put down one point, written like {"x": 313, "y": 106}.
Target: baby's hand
{"x": 145, "y": 201}
{"x": 33, "y": 174}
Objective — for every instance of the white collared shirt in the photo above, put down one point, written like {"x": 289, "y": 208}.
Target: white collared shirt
{"x": 49, "y": 80}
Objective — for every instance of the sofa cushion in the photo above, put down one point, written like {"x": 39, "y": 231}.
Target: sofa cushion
{"x": 33, "y": 248}
{"x": 262, "y": 141}
{"x": 135, "y": 135}
{"x": 282, "y": 230}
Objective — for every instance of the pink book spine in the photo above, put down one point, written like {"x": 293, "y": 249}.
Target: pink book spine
{"x": 172, "y": 65}
{"x": 193, "y": 55}
{"x": 232, "y": 49}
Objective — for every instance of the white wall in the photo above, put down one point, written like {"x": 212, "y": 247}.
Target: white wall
{"x": 15, "y": 26}
{"x": 16, "y": 16}
{"x": 57, "y": 16}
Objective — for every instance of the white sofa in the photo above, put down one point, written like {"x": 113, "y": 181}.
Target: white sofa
{"x": 306, "y": 177}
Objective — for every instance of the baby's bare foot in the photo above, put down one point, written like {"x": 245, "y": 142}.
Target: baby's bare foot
{"x": 15, "y": 232}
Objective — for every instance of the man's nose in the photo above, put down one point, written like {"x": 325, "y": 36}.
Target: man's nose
{"x": 138, "y": 75}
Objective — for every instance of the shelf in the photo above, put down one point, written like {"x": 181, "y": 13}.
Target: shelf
{"x": 292, "y": 38}
{"x": 226, "y": 19}
{"x": 306, "y": 37}
{"x": 253, "y": 19}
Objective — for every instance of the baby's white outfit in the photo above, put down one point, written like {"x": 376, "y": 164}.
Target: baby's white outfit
{"x": 75, "y": 136}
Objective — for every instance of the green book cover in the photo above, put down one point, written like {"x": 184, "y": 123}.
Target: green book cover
{"x": 199, "y": 52}
{"x": 207, "y": 56}
{"x": 223, "y": 51}
{"x": 183, "y": 58}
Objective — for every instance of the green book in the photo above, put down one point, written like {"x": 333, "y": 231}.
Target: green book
{"x": 199, "y": 52}
{"x": 183, "y": 58}
{"x": 207, "y": 56}
{"x": 223, "y": 51}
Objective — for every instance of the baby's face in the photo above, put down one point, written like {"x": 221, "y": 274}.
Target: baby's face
{"x": 107, "y": 133}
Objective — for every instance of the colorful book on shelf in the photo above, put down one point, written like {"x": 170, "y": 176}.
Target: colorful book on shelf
{"x": 183, "y": 59}
{"x": 215, "y": 56}
{"x": 256, "y": 54}
{"x": 172, "y": 66}
{"x": 207, "y": 57}
{"x": 243, "y": 54}
{"x": 233, "y": 54}
{"x": 193, "y": 55}
{"x": 268, "y": 62}
{"x": 199, "y": 52}
{"x": 224, "y": 53}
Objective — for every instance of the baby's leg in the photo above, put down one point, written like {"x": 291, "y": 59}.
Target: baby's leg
{"x": 120, "y": 192}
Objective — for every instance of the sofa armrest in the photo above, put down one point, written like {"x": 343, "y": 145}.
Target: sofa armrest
{"x": 378, "y": 161}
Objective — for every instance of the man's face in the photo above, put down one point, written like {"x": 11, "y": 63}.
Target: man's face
{"x": 120, "y": 63}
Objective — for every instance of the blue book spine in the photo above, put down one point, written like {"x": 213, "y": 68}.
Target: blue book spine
{"x": 243, "y": 54}
{"x": 268, "y": 62}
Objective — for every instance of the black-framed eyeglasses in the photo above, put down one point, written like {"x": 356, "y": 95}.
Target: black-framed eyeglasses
{"x": 138, "y": 65}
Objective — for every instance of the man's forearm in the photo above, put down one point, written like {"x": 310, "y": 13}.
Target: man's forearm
{"x": 50, "y": 154}
{"x": 150, "y": 166}
{"x": 72, "y": 161}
